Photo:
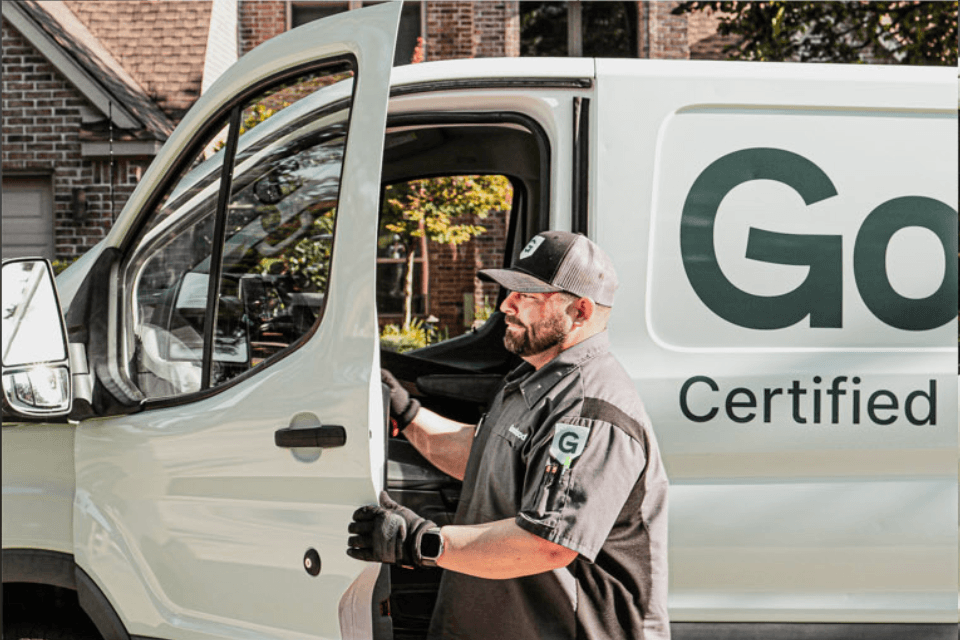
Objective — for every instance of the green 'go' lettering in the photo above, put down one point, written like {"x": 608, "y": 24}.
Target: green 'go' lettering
{"x": 820, "y": 295}
{"x": 870, "y": 265}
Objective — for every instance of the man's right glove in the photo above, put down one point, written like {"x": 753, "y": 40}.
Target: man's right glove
{"x": 387, "y": 533}
{"x": 403, "y": 408}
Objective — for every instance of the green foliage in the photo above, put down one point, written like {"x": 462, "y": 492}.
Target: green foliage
{"x": 917, "y": 33}
{"x": 436, "y": 207}
{"x": 60, "y": 264}
{"x": 257, "y": 113}
{"x": 251, "y": 117}
{"x": 308, "y": 261}
{"x": 412, "y": 335}
{"x": 283, "y": 96}
{"x": 482, "y": 312}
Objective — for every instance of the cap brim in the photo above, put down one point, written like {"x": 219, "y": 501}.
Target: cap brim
{"x": 516, "y": 281}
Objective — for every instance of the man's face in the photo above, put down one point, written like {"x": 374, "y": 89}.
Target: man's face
{"x": 536, "y": 322}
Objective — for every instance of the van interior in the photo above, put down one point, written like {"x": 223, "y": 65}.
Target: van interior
{"x": 457, "y": 377}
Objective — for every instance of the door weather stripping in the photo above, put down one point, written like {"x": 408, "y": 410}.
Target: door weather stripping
{"x": 580, "y": 222}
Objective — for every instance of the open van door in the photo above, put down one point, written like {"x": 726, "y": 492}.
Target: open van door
{"x": 230, "y": 326}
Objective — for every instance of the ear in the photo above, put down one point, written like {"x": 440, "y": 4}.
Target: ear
{"x": 583, "y": 310}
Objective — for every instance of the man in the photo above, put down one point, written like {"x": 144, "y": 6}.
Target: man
{"x": 561, "y": 527}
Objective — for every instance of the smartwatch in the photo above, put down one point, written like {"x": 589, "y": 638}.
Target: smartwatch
{"x": 430, "y": 547}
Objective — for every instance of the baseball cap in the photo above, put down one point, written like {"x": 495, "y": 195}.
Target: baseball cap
{"x": 560, "y": 261}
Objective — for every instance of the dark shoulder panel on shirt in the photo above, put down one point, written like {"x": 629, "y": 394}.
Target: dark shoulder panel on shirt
{"x": 610, "y": 395}
{"x": 597, "y": 409}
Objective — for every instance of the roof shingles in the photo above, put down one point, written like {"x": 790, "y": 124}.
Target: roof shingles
{"x": 161, "y": 43}
{"x": 77, "y": 42}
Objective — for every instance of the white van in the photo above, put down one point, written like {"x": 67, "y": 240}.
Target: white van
{"x": 183, "y": 463}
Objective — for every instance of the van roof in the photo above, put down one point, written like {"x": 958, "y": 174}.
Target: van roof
{"x": 505, "y": 69}
{"x": 521, "y": 67}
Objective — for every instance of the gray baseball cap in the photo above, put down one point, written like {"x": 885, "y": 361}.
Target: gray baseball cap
{"x": 560, "y": 261}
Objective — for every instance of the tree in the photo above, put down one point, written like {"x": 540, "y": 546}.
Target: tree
{"x": 918, "y": 33}
{"x": 440, "y": 210}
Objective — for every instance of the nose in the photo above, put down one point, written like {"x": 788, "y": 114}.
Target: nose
{"x": 509, "y": 304}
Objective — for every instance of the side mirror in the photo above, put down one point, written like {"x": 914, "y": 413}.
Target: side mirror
{"x": 36, "y": 364}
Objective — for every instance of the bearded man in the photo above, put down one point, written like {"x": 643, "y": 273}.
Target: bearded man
{"x": 561, "y": 529}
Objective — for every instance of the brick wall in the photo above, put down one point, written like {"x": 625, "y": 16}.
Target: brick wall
{"x": 705, "y": 42}
{"x": 450, "y": 32}
{"x": 42, "y": 118}
{"x": 261, "y": 20}
{"x": 458, "y": 29}
{"x": 453, "y": 272}
{"x": 498, "y": 29}
{"x": 702, "y": 24}
{"x": 660, "y": 34}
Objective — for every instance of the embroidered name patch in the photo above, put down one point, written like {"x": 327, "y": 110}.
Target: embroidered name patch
{"x": 569, "y": 441}
{"x": 516, "y": 433}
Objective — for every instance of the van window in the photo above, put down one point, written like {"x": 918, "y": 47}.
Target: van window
{"x": 274, "y": 247}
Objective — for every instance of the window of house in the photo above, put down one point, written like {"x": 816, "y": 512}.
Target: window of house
{"x": 591, "y": 29}
{"x": 268, "y": 240}
{"x": 411, "y": 21}
{"x": 303, "y": 12}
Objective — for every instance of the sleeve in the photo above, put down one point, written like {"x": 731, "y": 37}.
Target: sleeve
{"x": 578, "y": 480}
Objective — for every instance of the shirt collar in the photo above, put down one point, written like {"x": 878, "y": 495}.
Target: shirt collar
{"x": 535, "y": 384}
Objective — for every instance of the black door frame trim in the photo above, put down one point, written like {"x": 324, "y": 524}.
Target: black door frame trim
{"x": 580, "y": 215}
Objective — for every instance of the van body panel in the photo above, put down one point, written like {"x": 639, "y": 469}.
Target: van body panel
{"x": 38, "y": 486}
{"x": 791, "y": 499}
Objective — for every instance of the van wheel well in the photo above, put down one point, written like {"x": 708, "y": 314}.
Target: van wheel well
{"x": 44, "y": 612}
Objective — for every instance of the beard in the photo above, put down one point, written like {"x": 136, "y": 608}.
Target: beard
{"x": 529, "y": 340}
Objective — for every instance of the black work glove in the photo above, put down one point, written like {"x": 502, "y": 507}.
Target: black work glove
{"x": 387, "y": 533}
{"x": 403, "y": 408}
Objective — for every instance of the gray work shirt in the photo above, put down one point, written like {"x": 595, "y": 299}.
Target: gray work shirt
{"x": 569, "y": 453}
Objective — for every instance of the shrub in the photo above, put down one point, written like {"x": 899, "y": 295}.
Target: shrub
{"x": 412, "y": 335}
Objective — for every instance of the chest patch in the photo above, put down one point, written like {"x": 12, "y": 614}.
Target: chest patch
{"x": 569, "y": 441}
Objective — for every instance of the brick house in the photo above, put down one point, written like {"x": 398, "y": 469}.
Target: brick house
{"x": 92, "y": 89}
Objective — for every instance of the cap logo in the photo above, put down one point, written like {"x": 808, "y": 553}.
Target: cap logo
{"x": 569, "y": 441}
{"x": 531, "y": 247}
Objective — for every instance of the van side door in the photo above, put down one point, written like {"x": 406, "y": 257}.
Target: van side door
{"x": 790, "y": 233}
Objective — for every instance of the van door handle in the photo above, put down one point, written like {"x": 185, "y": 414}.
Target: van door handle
{"x": 327, "y": 437}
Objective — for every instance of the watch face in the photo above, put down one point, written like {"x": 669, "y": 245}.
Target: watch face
{"x": 430, "y": 545}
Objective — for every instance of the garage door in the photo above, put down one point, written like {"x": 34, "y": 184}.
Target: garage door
{"x": 27, "y": 217}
